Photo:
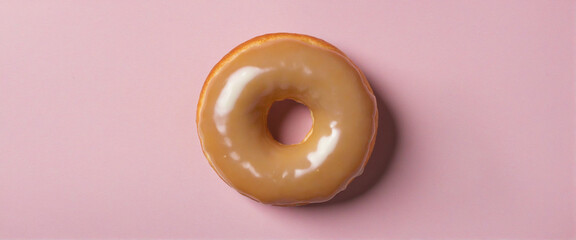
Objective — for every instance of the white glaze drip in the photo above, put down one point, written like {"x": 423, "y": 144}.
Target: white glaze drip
{"x": 235, "y": 84}
{"x": 326, "y": 146}
{"x": 248, "y": 165}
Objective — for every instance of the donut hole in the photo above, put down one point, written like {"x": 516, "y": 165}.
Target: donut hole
{"x": 289, "y": 121}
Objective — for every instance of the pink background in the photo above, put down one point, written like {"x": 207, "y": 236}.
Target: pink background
{"x": 98, "y": 103}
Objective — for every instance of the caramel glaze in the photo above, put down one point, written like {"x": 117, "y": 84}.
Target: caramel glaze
{"x": 233, "y": 108}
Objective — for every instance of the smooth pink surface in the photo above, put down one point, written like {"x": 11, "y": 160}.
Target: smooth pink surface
{"x": 98, "y": 106}
{"x": 289, "y": 121}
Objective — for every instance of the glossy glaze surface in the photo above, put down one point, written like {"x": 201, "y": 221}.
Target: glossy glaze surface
{"x": 232, "y": 119}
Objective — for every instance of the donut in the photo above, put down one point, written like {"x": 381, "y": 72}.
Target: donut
{"x": 232, "y": 119}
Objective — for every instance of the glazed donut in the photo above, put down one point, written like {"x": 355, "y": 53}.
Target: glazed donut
{"x": 232, "y": 114}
